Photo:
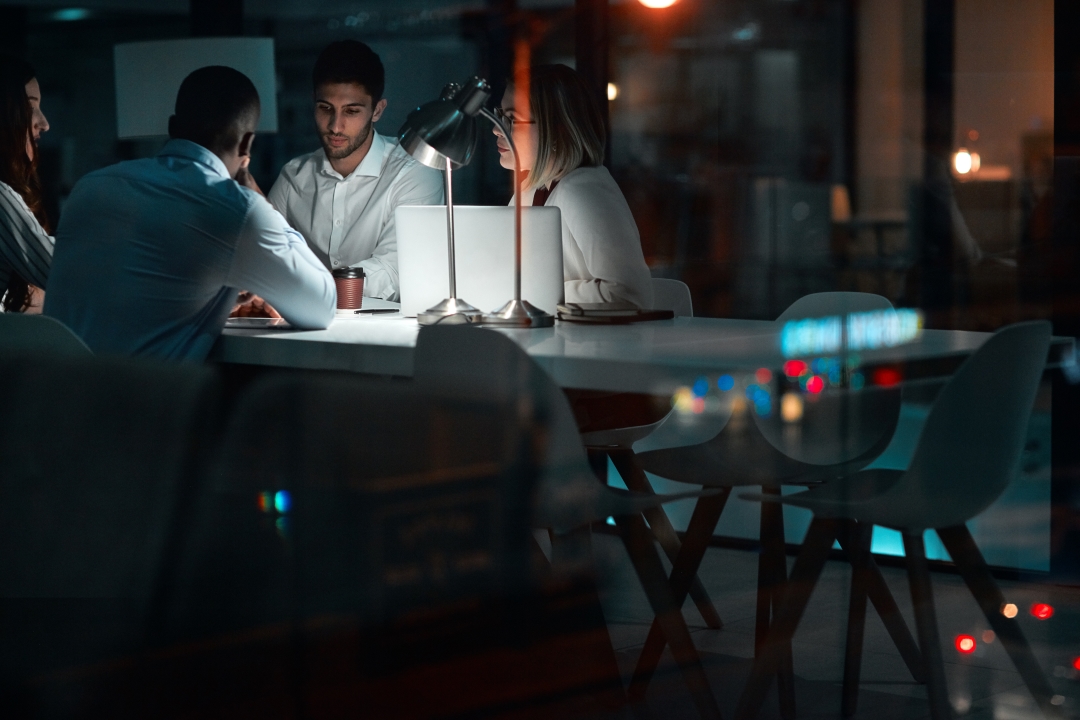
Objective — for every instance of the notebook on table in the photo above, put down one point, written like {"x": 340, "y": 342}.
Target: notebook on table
{"x": 484, "y": 245}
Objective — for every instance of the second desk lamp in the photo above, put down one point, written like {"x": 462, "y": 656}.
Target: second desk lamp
{"x": 442, "y": 135}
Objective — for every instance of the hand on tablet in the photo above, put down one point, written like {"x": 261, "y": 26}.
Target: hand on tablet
{"x": 251, "y": 305}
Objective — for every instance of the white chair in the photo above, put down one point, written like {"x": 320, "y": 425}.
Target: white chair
{"x": 673, "y": 295}
{"x": 968, "y": 452}
{"x": 21, "y": 333}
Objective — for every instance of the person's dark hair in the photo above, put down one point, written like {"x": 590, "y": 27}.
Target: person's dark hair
{"x": 350, "y": 61}
{"x": 215, "y": 106}
{"x": 16, "y": 168}
{"x": 569, "y": 125}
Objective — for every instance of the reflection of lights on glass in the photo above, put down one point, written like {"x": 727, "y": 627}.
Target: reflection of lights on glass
{"x": 791, "y": 407}
{"x": 1009, "y": 610}
{"x": 976, "y": 162}
{"x": 725, "y": 383}
{"x": 962, "y": 161}
{"x": 965, "y": 644}
{"x": 815, "y": 385}
{"x": 612, "y": 91}
{"x": 265, "y": 501}
{"x": 988, "y": 636}
{"x": 763, "y": 375}
{"x": 699, "y": 405}
{"x": 886, "y": 377}
{"x": 683, "y": 400}
{"x": 973, "y": 135}
{"x": 795, "y": 368}
{"x": 1042, "y": 611}
{"x": 658, "y": 4}
{"x": 282, "y": 501}
{"x": 282, "y": 525}
{"x": 1076, "y": 663}
{"x": 701, "y": 387}
{"x": 857, "y": 381}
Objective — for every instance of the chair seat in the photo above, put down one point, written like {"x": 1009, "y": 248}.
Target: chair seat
{"x": 861, "y": 490}
{"x": 623, "y": 437}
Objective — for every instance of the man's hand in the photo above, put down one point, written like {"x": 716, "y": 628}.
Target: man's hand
{"x": 251, "y": 305}
{"x": 244, "y": 177}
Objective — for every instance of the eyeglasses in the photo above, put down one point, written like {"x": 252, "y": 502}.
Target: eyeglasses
{"x": 501, "y": 114}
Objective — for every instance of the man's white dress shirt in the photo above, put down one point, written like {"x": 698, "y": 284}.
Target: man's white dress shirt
{"x": 150, "y": 255}
{"x": 25, "y": 248}
{"x": 602, "y": 258}
{"x": 349, "y": 221}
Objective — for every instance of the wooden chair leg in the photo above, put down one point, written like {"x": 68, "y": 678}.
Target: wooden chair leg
{"x": 922, "y": 597}
{"x": 698, "y": 534}
{"x": 857, "y": 548}
{"x": 639, "y": 545}
{"x": 969, "y": 561}
{"x": 804, "y": 576}
{"x": 772, "y": 578}
{"x": 635, "y": 480}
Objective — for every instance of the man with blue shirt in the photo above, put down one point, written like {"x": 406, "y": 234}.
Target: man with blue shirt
{"x": 150, "y": 254}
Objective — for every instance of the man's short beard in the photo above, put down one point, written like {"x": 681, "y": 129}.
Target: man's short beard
{"x": 349, "y": 149}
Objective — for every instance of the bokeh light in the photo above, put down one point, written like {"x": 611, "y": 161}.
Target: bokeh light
{"x": 658, "y": 4}
{"x": 282, "y": 501}
{"x": 1009, "y": 610}
{"x": 791, "y": 407}
{"x": 265, "y": 501}
{"x": 763, "y": 375}
{"x": 886, "y": 377}
{"x": 1042, "y": 611}
{"x": 725, "y": 383}
{"x": 965, "y": 644}
{"x": 988, "y": 636}
{"x": 612, "y": 91}
{"x": 1076, "y": 663}
{"x": 795, "y": 368}
{"x": 815, "y": 384}
{"x": 701, "y": 387}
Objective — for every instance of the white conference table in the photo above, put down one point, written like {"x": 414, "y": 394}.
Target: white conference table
{"x": 652, "y": 357}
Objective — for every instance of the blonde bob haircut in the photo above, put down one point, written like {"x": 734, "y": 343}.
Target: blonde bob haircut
{"x": 568, "y": 122}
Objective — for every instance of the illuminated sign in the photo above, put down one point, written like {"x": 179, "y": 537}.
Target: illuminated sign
{"x": 854, "y": 332}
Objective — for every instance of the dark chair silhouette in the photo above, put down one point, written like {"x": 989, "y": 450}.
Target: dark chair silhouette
{"x": 968, "y": 452}
{"x": 21, "y": 333}
{"x": 96, "y": 458}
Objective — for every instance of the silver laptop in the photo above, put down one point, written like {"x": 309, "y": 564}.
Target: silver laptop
{"x": 484, "y": 241}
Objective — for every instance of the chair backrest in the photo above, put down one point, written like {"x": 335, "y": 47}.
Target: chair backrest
{"x": 825, "y": 304}
{"x": 673, "y": 295}
{"x": 481, "y": 363}
{"x": 972, "y": 441}
{"x": 838, "y": 426}
{"x": 21, "y": 333}
{"x": 96, "y": 457}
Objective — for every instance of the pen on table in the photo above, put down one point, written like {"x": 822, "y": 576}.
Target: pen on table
{"x": 372, "y": 311}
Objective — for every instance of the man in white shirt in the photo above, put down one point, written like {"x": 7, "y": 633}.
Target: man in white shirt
{"x": 342, "y": 197}
{"x": 150, "y": 254}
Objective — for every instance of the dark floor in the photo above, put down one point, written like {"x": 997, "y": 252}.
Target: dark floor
{"x": 983, "y": 685}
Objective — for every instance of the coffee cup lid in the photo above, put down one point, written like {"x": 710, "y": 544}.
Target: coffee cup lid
{"x": 349, "y": 273}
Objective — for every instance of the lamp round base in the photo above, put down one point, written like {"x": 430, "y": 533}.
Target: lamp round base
{"x": 451, "y": 311}
{"x": 518, "y": 314}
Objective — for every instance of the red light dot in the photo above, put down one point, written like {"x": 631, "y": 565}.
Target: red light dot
{"x": 1076, "y": 663}
{"x": 1042, "y": 611}
{"x": 965, "y": 644}
{"x": 815, "y": 385}
{"x": 886, "y": 377}
{"x": 763, "y": 375}
{"x": 794, "y": 368}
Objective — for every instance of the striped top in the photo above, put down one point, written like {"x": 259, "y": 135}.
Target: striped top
{"x": 25, "y": 248}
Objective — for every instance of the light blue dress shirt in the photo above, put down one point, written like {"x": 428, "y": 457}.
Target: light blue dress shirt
{"x": 150, "y": 255}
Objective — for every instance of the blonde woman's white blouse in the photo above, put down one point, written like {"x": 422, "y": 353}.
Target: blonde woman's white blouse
{"x": 26, "y": 249}
{"x": 602, "y": 258}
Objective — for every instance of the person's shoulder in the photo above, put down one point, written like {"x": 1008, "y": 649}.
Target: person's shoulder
{"x": 587, "y": 185}
{"x": 306, "y": 163}
{"x": 584, "y": 176}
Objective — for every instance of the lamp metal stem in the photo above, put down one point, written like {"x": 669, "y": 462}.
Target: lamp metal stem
{"x": 450, "y": 229}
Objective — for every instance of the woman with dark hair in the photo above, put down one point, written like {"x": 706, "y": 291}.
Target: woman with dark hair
{"x": 26, "y": 247}
{"x": 559, "y": 135}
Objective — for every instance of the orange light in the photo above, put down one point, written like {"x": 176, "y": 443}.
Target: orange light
{"x": 815, "y": 385}
{"x": 658, "y": 4}
{"x": 763, "y": 375}
{"x": 965, "y": 644}
{"x": 1009, "y": 610}
{"x": 1042, "y": 611}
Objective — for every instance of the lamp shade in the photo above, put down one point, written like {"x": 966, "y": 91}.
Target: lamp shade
{"x": 148, "y": 76}
{"x": 444, "y": 130}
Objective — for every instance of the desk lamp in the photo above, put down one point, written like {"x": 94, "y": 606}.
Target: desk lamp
{"x": 442, "y": 135}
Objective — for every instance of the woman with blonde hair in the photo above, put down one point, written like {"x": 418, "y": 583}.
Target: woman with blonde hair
{"x": 559, "y": 136}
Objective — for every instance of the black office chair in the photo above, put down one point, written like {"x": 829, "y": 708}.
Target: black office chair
{"x": 96, "y": 458}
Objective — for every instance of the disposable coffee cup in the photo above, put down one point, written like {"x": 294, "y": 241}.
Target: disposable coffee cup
{"x": 350, "y": 288}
